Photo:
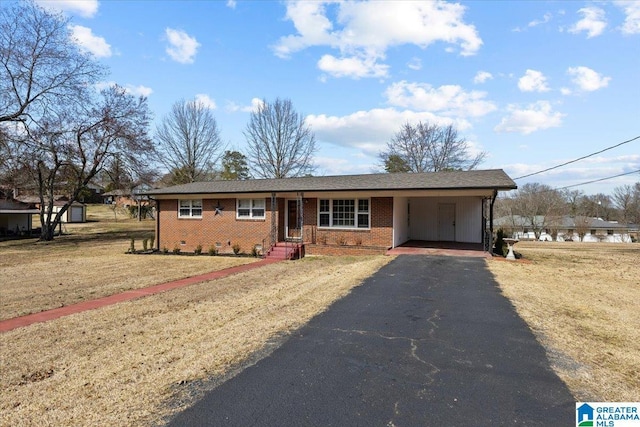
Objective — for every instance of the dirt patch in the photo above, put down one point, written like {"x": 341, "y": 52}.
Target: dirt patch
{"x": 581, "y": 300}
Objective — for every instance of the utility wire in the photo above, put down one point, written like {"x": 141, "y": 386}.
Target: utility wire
{"x": 578, "y": 159}
{"x": 597, "y": 180}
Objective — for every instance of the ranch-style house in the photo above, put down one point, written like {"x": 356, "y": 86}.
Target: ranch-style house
{"x": 355, "y": 214}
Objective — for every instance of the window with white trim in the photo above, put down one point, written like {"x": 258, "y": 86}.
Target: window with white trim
{"x": 250, "y": 208}
{"x": 190, "y": 208}
{"x": 344, "y": 213}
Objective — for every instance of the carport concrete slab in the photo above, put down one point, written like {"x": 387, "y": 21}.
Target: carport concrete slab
{"x": 426, "y": 341}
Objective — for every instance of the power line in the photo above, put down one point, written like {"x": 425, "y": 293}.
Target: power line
{"x": 578, "y": 159}
{"x": 597, "y": 180}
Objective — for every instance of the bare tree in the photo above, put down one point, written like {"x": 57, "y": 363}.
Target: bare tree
{"x": 40, "y": 66}
{"x": 541, "y": 205}
{"x": 627, "y": 199}
{"x": 280, "y": 143}
{"x": 426, "y": 147}
{"x": 189, "y": 141}
{"x": 73, "y": 143}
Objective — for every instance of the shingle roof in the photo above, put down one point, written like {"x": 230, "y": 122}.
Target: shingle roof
{"x": 449, "y": 180}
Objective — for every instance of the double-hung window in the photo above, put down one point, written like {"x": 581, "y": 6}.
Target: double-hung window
{"x": 190, "y": 208}
{"x": 343, "y": 213}
{"x": 250, "y": 209}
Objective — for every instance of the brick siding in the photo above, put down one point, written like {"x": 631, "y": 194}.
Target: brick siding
{"x": 225, "y": 229}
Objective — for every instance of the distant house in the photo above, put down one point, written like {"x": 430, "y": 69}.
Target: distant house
{"x": 330, "y": 214}
{"x": 565, "y": 228}
{"x": 127, "y": 198}
{"x": 15, "y": 217}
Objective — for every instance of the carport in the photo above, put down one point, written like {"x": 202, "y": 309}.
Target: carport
{"x": 444, "y": 217}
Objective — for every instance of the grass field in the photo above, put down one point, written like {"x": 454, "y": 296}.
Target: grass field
{"x": 137, "y": 362}
{"x": 582, "y": 300}
{"x": 131, "y": 363}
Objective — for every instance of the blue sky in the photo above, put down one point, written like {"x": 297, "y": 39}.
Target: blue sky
{"x": 533, "y": 83}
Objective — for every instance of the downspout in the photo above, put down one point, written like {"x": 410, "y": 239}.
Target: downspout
{"x": 157, "y": 245}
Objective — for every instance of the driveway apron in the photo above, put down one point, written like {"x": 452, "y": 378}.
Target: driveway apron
{"x": 426, "y": 341}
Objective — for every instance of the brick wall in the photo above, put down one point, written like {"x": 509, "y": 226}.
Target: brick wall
{"x": 188, "y": 233}
{"x": 224, "y": 228}
{"x": 380, "y": 234}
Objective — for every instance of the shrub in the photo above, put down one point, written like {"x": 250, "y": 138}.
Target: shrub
{"x": 176, "y": 250}
{"x": 322, "y": 239}
{"x": 236, "y": 248}
{"x": 501, "y": 247}
{"x": 152, "y": 240}
{"x": 341, "y": 240}
{"x": 132, "y": 246}
{"x": 165, "y": 250}
{"x": 213, "y": 251}
{"x": 145, "y": 242}
{"x": 198, "y": 250}
{"x": 254, "y": 251}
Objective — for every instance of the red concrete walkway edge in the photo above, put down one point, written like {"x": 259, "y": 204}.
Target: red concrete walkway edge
{"x": 44, "y": 316}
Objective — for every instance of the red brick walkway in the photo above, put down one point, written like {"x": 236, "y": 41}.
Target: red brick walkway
{"x": 44, "y": 316}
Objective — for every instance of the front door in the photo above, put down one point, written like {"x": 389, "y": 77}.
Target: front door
{"x": 447, "y": 222}
{"x": 293, "y": 232}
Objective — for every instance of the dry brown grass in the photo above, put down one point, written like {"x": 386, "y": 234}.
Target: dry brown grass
{"x": 583, "y": 302}
{"x": 131, "y": 363}
{"x": 90, "y": 262}
{"x": 120, "y": 365}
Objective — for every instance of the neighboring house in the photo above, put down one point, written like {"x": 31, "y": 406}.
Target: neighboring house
{"x": 330, "y": 214}
{"x": 565, "y": 229}
{"x": 15, "y": 217}
{"x": 126, "y": 198}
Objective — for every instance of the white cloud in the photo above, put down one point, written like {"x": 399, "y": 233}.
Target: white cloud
{"x": 449, "y": 100}
{"x": 231, "y": 4}
{"x": 139, "y": 90}
{"x": 632, "y": 20}
{"x": 533, "y": 81}
{"x": 84, "y": 8}
{"x": 353, "y": 67}
{"x": 182, "y": 47}
{"x": 482, "y": 76}
{"x": 546, "y": 18}
{"x": 256, "y": 103}
{"x": 369, "y": 131}
{"x": 587, "y": 79}
{"x": 206, "y": 100}
{"x": 534, "y": 117}
{"x": 89, "y": 42}
{"x": 365, "y": 30}
{"x": 593, "y": 22}
{"x": 415, "y": 64}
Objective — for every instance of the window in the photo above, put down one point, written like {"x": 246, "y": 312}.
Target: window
{"x": 324, "y": 213}
{"x": 343, "y": 213}
{"x": 592, "y": 231}
{"x": 190, "y": 208}
{"x": 610, "y": 232}
{"x": 250, "y": 209}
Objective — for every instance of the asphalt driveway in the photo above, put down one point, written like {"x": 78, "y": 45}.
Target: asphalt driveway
{"x": 426, "y": 341}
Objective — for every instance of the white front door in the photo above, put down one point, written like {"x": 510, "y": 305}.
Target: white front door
{"x": 447, "y": 222}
